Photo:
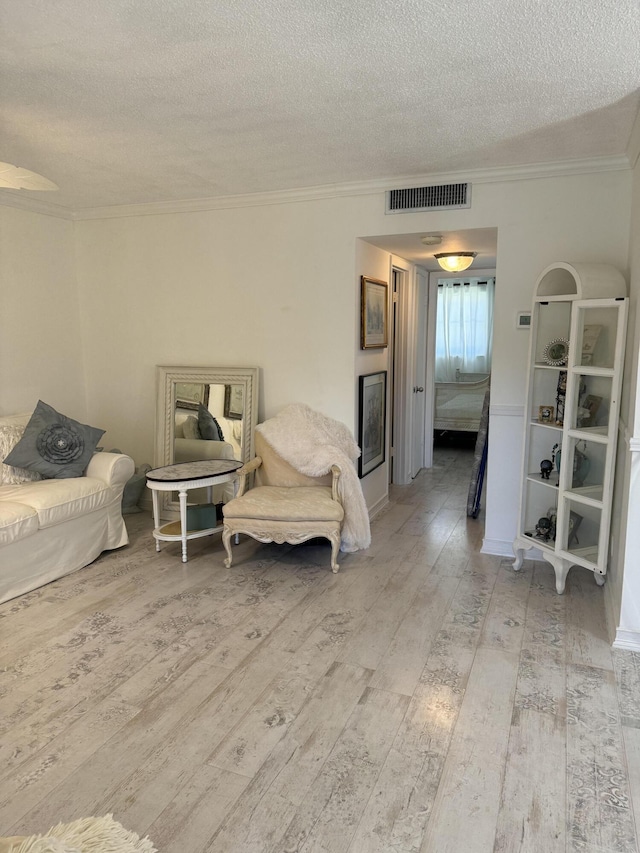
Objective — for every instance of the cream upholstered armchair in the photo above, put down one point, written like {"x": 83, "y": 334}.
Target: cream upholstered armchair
{"x": 283, "y": 505}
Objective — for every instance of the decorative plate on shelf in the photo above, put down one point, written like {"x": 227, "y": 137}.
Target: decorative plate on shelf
{"x": 556, "y": 352}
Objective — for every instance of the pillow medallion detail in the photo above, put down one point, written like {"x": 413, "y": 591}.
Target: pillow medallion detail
{"x": 54, "y": 445}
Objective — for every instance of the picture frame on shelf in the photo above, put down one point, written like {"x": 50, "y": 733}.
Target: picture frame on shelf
{"x": 189, "y": 395}
{"x": 374, "y": 307}
{"x": 545, "y": 415}
{"x": 372, "y": 421}
{"x": 556, "y": 352}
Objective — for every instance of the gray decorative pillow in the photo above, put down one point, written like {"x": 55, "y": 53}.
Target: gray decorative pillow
{"x": 208, "y": 425}
{"x": 54, "y": 445}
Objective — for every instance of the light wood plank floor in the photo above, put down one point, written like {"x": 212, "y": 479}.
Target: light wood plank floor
{"x": 426, "y": 698}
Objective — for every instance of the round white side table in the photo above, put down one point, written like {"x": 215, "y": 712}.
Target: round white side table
{"x": 180, "y": 478}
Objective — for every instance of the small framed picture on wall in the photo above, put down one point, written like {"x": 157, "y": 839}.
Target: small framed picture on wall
{"x": 374, "y": 310}
{"x": 189, "y": 395}
{"x": 233, "y": 402}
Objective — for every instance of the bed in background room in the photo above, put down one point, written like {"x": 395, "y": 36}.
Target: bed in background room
{"x": 458, "y": 405}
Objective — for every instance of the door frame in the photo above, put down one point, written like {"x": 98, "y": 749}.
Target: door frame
{"x": 423, "y": 364}
{"x": 402, "y": 369}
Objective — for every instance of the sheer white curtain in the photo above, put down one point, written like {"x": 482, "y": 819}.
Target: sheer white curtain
{"x": 464, "y": 327}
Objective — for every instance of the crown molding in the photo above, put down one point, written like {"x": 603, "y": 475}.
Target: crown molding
{"x": 328, "y": 191}
{"x": 35, "y": 205}
{"x": 357, "y": 188}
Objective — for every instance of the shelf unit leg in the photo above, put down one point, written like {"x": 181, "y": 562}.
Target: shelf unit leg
{"x": 519, "y": 560}
{"x": 599, "y": 579}
{"x": 561, "y": 568}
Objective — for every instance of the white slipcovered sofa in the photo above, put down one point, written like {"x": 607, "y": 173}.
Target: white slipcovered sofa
{"x": 52, "y": 527}
{"x": 189, "y": 446}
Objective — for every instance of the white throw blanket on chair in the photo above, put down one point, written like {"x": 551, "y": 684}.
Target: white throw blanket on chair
{"x": 312, "y": 442}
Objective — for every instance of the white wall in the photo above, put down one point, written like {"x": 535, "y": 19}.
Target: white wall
{"x": 40, "y": 347}
{"x": 277, "y": 286}
{"x": 270, "y": 287}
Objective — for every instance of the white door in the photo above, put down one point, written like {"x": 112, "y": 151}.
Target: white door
{"x": 419, "y": 396}
{"x": 402, "y": 373}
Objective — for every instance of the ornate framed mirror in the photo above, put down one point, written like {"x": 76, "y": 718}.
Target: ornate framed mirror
{"x": 197, "y": 408}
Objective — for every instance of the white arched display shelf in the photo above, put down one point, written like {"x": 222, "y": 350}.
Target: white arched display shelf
{"x": 576, "y": 356}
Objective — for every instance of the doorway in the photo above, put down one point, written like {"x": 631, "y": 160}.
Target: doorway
{"x": 412, "y": 321}
{"x": 461, "y": 347}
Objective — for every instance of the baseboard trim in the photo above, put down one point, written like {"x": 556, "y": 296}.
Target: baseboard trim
{"x": 497, "y": 547}
{"x": 378, "y": 506}
{"x": 629, "y": 640}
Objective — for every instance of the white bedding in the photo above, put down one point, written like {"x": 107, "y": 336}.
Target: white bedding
{"x": 458, "y": 405}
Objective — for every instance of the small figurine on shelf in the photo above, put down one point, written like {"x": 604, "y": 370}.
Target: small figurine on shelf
{"x": 543, "y": 529}
{"x": 547, "y": 465}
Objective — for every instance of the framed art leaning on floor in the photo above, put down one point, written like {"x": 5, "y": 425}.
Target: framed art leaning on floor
{"x": 372, "y": 421}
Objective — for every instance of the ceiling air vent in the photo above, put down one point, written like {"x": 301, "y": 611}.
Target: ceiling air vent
{"x": 438, "y": 197}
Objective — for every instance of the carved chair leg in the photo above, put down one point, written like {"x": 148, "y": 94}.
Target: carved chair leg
{"x": 335, "y": 547}
{"x": 226, "y": 541}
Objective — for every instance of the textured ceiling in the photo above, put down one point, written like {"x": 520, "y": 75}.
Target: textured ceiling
{"x": 132, "y": 101}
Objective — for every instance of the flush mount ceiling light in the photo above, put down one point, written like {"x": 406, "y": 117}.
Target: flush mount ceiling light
{"x": 17, "y": 178}
{"x": 455, "y": 261}
{"x": 431, "y": 240}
